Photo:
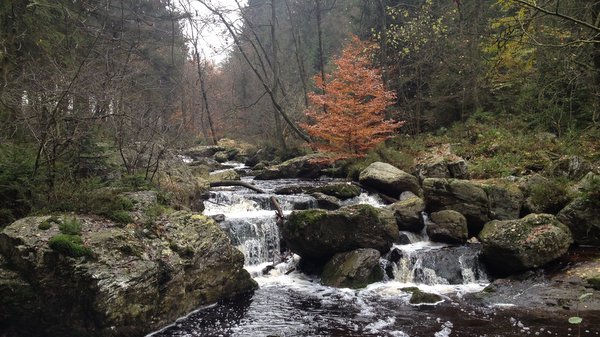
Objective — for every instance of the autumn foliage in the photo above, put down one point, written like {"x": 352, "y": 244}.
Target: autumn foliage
{"x": 347, "y": 117}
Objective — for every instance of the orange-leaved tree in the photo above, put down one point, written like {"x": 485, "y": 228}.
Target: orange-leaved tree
{"x": 348, "y": 117}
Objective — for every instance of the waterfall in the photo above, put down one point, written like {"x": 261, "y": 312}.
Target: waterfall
{"x": 430, "y": 263}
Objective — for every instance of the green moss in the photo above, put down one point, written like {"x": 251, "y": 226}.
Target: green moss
{"x": 70, "y": 226}
{"x": 340, "y": 191}
{"x": 420, "y": 297}
{"x": 69, "y": 245}
{"x": 301, "y": 218}
{"x": 119, "y": 216}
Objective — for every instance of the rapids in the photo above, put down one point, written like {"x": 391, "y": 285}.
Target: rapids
{"x": 290, "y": 303}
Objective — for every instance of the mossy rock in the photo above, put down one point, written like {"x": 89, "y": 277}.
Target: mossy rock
{"x": 340, "y": 191}
{"x": 355, "y": 269}
{"x": 319, "y": 234}
{"x": 408, "y": 214}
{"x": 420, "y": 298}
{"x": 511, "y": 246}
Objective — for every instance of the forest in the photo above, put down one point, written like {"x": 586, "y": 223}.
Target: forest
{"x": 82, "y": 77}
{"x": 104, "y": 102}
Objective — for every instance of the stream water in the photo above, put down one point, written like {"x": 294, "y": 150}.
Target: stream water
{"x": 289, "y": 303}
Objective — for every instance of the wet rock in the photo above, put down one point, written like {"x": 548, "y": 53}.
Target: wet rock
{"x": 582, "y": 216}
{"x": 293, "y": 189}
{"x": 478, "y": 201}
{"x": 218, "y": 217}
{"x": 420, "y": 297}
{"x": 134, "y": 282}
{"x": 389, "y": 179}
{"x": 394, "y": 255}
{"x": 355, "y": 269}
{"x": 341, "y": 191}
{"x": 449, "y": 227}
{"x": 319, "y": 234}
{"x": 224, "y": 175}
{"x": 325, "y": 201}
{"x": 511, "y": 246}
{"x": 404, "y": 239}
{"x": 408, "y": 214}
{"x": 301, "y": 167}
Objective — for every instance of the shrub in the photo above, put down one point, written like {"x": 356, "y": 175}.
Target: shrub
{"x": 69, "y": 245}
{"x": 70, "y": 226}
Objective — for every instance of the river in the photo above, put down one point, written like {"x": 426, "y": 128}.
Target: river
{"x": 289, "y": 303}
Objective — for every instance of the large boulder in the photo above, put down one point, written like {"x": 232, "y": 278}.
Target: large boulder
{"x": 478, "y": 201}
{"x": 111, "y": 281}
{"x": 582, "y": 216}
{"x": 408, "y": 214}
{"x": 448, "y": 226}
{"x": 511, "y": 246}
{"x": 443, "y": 168}
{"x": 307, "y": 166}
{"x": 355, "y": 269}
{"x": 389, "y": 179}
{"x": 319, "y": 234}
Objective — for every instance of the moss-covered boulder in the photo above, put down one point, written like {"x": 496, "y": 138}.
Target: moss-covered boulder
{"x": 389, "y": 179}
{"x": 408, "y": 214}
{"x": 448, "y": 226}
{"x": 478, "y": 201}
{"x": 135, "y": 279}
{"x": 582, "y": 216}
{"x": 319, "y": 234}
{"x": 355, "y": 269}
{"x": 307, "y": 166}
{"x": 511, "y": 246}
{"x": 342, "y": 191}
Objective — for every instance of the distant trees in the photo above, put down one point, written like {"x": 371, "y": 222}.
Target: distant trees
{"x": 348, "y": 117}
{"x": 76, "y": 73}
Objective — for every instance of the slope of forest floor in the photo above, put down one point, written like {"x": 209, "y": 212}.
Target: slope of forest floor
{"x": 494, "y": 146}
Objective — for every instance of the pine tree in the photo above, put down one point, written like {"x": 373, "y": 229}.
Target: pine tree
{"x": 348, "y": 115}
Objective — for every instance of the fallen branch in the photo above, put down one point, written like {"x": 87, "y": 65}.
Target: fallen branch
{"x": 236, "y": 183}
{"x": 278, "y": 210}
{"x": 385, "y": 197}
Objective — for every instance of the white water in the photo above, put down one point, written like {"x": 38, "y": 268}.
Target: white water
{"x": 250, "y": 222}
